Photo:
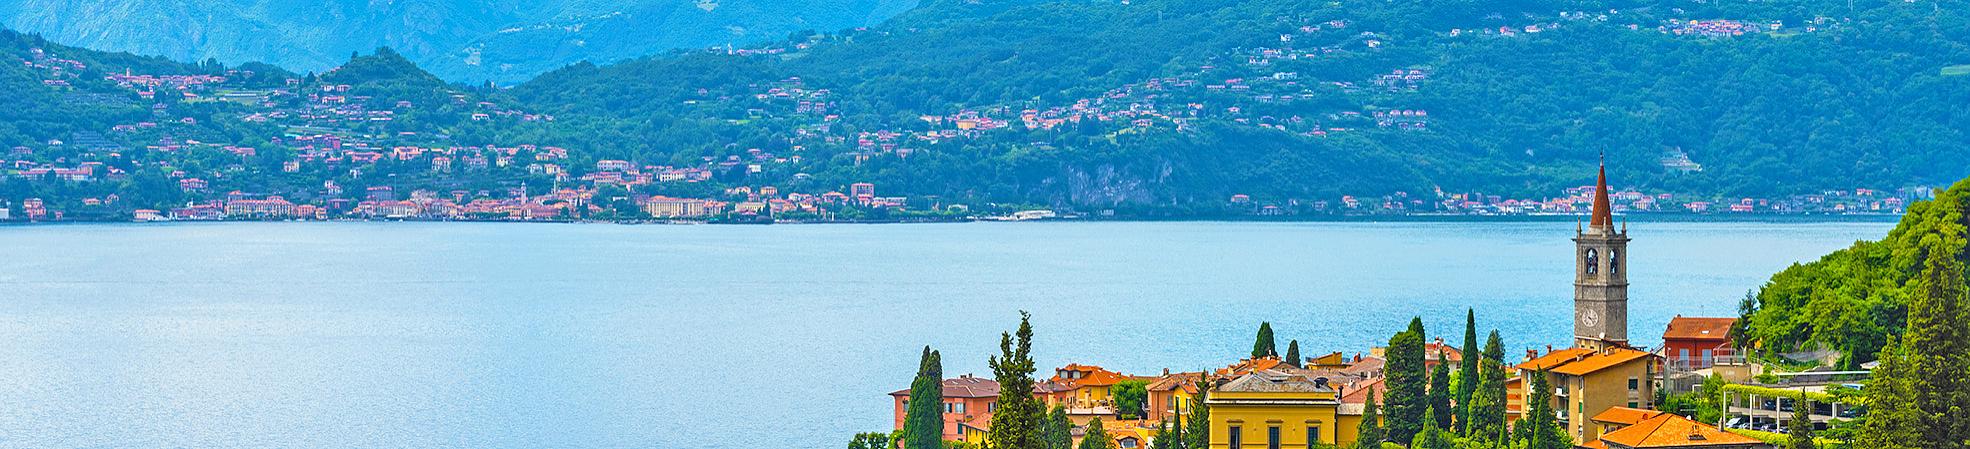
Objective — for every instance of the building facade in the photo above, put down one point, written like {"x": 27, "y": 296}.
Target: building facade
{"x": 968, "y": 405}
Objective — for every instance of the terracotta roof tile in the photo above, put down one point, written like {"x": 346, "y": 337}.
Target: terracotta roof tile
{"x": 1668, "y": 430}
{"x": 1695, "y": 328}
{"x": 1625, "y": 416}
{"x": 1597, "y": 362}
{"x": 1554, "y": 359}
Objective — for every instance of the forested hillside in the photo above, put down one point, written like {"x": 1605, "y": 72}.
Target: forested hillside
{"x": 1855, "y": 299}
{"x": 1279, "y": 99}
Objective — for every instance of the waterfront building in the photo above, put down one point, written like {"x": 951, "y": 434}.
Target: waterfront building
{"x": 1693, "y": 343}
{"x": 1278, "y": 409}
{"x": 968, "y": 405}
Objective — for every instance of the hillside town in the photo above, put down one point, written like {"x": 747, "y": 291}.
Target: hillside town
{"x": 1604, "y": 391}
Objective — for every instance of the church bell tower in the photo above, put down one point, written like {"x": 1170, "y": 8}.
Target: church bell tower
{"x": 1600, "y": 279}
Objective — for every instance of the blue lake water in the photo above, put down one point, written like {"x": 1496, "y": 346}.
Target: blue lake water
{"x": 535, "y": 335}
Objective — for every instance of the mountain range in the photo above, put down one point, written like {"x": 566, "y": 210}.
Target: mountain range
{"x": 460, "y": 40}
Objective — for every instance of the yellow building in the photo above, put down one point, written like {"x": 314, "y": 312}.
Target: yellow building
{"x": 1587, "y": 382}
{"x": 1272, "y": 409}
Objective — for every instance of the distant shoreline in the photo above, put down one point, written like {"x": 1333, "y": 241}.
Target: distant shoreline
{"x": 1398, "y": 218}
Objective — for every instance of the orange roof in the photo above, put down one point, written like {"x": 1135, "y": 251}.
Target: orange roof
{"x": 1553, "y": 359}
{"x": 1597, "y": 362}
{"x": 1668, "y": 430}
{"x": 1090, "y": 376}
{"x": 1625, "y": 416}
{"x": 1694, "y": 328}
{"x": 1175, "y": 381}
{"x": 1251, "y": 365}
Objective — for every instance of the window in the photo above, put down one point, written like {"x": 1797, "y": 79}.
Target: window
{"x": 1614, "y": 262}
{"x": 1312, "y": 437}
{"x": 1237, "y": 438}
{"x": 1634, "y": 384}
{"x": 1708, "y": 357}
{"x": 992, "y": 407}
{"x": 1272, "y": 437}
{"x": 958, "y": 406}
{"x": 1593, "y": 262}
{"x": 1632, "y": 404}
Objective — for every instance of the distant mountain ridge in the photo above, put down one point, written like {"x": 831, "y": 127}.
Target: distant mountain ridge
{"x": 507, "y": 41}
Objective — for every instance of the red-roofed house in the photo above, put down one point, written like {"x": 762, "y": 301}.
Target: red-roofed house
{"x": 968, "y": 406}
{"x": 1695, "y": 343}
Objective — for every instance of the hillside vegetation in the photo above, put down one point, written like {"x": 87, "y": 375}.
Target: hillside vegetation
{"x": 1855, "y": 299}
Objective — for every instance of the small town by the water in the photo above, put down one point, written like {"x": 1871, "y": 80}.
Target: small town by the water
{"x": 1701, "y": 388}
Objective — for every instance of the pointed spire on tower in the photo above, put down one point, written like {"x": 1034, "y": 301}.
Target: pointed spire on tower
{"x": 1603, "y": 217}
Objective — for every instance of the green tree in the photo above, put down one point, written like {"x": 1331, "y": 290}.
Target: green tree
{"x": 870, "y": 440}
{"x": 1431, "y": 437}
{"x": 1541, "y": 426}
{"x": 1164, "y": 438}
{"x": 1467, "y": 370}
{"x": 1293, "y": 354}
{"x": 1018, "y": 423}
{"x": 1799, "y": 433}
{"x": 1439, "y": 393}
{"x": 923, "y": 418}
{"x": 1408, "y": 384}
{"x": 1096, "y": 437}
{"x": 1488, "y": 401}
{"x": 1131, "y": 396}
{"x": 1059, "y": 432}
{"x": 1891, "y": 422}
{"x": 1370, "y": 434}
{"x": 1198, "y": 435}
{"x": 1938, "y": 339}
{"x": 1264, "y": 346}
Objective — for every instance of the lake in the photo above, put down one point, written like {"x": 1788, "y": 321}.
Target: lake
{"x": 558, "y": 335}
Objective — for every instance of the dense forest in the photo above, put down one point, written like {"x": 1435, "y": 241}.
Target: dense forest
{"x": 1854, "y": 300}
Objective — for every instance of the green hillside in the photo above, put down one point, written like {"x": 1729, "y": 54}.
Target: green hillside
{"x": 1831, "y": 98}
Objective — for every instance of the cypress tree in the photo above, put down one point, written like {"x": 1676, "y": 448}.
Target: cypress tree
{"x": 1293, "y": 354}
{"x": 1439, "y": 394}
{"x": 1431, "y": 437}
{"x": 1369, "y": 434}
{"x": 923, "y": 419}
{"x": 1018, "y": 421}
{"x": 1059, "y": 431}
{"x": 1096, "y": 437}
{"x": 1938, "y": 340}
{"x": 1177, "y": 440}
{"x": 1200, "y": 416}
{"x": 1799, "y": 433}
{"x": 1891, "y": 422}
{"x": 1467, "y": 370}
{"x": 1488, "y": 401}
{"x": 1264, "y": 345}
{"x": 1163, "y": 436}
{"x": 1408, "y": 384}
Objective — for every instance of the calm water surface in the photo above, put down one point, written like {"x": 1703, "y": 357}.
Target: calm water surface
{"x": 518, "y": 335}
